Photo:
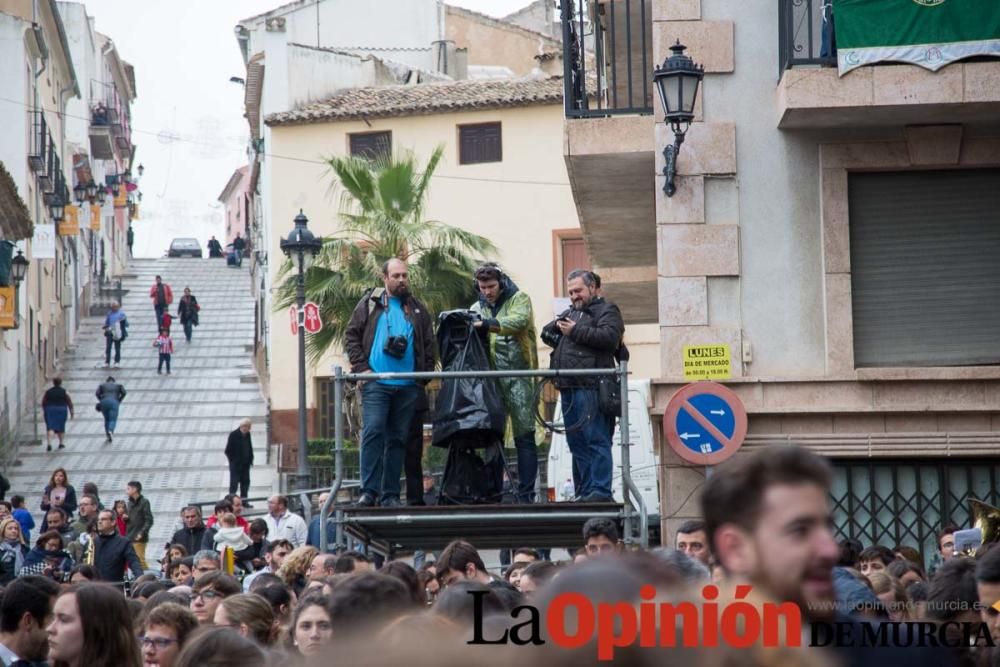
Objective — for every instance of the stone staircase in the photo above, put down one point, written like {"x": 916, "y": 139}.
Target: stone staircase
{"x": 171, "y": 429}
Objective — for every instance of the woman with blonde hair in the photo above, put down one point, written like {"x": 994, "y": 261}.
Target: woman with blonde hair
{"x": 295, "y": 566}
{"x": 893, "y": 595}
{"x": 12, "y": 550}
{"x": 248, "y": 614}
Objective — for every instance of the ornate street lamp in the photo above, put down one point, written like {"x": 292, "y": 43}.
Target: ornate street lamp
{"x": 677, "y": 81}
{"x": 19, "y": 268}
{"x": 127, "y": 176}
{"x": 58, "y": 208}
{"x": 301, "y": 247}
{"x": 102, "y": 195}
{"x": 140, "y": 170}
{"x": 91, "y": 190}
{"x": 80, "y": 192}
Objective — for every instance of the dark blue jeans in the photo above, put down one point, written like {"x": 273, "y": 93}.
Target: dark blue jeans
{"x": 107, "y": 350}
{"x": 386, "y": 413}
{"x": 188, "y": 328}
{"x": 159, "y": 316}
{"x": 109, "y": 407}
{"x": 589, "y": 438}
{"x": 527, "y": 466}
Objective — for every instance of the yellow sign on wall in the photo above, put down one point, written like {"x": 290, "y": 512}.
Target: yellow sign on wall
{"x": 707, "y": 362}
{"x": 95, "y": 217}
{"x": 122, "y": 199}
{"x": 70, "y": 225}
{"x": 7, "y": 314}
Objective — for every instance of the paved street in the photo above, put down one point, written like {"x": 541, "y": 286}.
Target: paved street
{"x": 171, "y": 429}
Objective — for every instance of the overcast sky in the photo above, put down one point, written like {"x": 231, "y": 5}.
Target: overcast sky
{"x": 188, "y": 120}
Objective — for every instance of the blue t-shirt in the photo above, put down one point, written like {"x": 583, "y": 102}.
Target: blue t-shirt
{"x": 392, "y": 322}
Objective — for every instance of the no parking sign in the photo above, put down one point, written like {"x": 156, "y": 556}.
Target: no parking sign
{"x": 705, "y": 423}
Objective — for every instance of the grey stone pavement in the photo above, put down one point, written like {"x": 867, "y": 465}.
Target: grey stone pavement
{"x": 171, "y": 429}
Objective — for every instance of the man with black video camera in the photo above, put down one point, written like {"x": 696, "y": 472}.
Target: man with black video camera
{"x": 587, "y": 336}
{"x": 390, "y": 331}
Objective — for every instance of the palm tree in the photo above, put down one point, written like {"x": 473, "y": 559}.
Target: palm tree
{"x": 382, "y": 217}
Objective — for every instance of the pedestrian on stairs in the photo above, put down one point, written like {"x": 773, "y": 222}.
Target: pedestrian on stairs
{"x": 57, "y": 405}
{"x": 162, "y": 297}
{"x": 110, "y": 394}
{"x": 187, "y": 310}
{"x": 115, "y": 331}
{"x": 239, "y": 453}
{"x": 165, "y": 345}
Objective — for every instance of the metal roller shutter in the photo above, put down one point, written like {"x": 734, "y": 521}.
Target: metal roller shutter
{"x": 925, "y": 267}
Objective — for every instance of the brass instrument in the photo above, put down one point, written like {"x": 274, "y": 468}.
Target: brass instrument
{"x": 90, "y": 554}
{"x": 229, "y": 561}
{"x": 986, "y": 519}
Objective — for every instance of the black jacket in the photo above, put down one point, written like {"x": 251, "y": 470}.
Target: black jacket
{"x": 361, "y": 331}
{"x": 190, "y": 538}
{"x": 187, "y": 309}
{"x": 113, "y": 555}
{"x": 239, "y": 449}
{"x": 140, "y": 520}
{"x": 592, "y": 343}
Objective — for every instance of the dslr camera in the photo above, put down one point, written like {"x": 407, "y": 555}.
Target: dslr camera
{"x": 395, "y": 347}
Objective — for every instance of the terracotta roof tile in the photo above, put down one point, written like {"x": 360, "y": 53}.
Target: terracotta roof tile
{"x": 423, "y": 99}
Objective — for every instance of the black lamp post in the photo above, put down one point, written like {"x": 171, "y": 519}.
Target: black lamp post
{"x": 91, "y": 188}
{"x": 80, "y": 192}
{"x": 140, "y": 169}
{"x": 301, "y": 247}
{"x": 102, "y": 195}
{"x": 677, "y": 80}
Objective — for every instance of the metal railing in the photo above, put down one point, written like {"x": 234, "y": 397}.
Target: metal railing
{"x": 607, "y": 63}
{"x": 634, "y": 505}
{"x": 804, "y": 38}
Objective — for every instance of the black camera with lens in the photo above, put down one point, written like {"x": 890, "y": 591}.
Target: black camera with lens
{"x": 551, "y": 336}
{"x": 395, "y": 347}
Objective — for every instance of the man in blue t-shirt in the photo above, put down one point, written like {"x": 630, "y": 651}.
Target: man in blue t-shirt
{"x": 390, "y": 332}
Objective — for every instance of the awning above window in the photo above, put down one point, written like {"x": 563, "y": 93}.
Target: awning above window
{"x": 929, "y": 33}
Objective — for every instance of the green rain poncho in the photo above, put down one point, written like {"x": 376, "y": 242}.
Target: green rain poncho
{"x": 512, "y": 346}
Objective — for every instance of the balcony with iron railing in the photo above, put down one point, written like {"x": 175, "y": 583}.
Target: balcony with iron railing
{"x": 813, "y": 94}
{"x": 609, "y": 137}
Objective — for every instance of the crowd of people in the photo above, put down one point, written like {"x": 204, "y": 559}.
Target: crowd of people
{"x": 244, "y": 593}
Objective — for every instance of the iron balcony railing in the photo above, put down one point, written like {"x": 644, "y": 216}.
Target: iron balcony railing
{"x": 39, "y": 141}
{"x": 806, "y": 34}
{"x": 607, "y": 61}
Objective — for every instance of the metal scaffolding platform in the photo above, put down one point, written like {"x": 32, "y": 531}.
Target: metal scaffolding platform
{"x": 392, "y": 529}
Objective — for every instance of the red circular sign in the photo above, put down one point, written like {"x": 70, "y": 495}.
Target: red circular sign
{"x": 705, "y": 423}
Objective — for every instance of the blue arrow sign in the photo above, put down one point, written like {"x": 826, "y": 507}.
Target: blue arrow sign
{"x": 691, "y": 423}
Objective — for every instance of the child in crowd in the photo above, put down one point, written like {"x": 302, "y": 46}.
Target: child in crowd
{"x": 165, "y": 345}
{"x": 230, "y": 535}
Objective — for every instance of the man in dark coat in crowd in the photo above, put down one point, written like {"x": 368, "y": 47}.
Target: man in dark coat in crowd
{"x": 191, "y": 535}
{"x": 114, "y": 553}
{"x": 239, "y": 452}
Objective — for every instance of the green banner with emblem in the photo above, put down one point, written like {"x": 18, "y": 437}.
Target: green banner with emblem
{"x": 929, "y": 33}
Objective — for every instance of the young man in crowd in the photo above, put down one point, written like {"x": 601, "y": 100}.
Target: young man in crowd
{"x": 768, "y": 522}
{"x": 875, "y": 559}
{"x": 139, "y": 521}
{"x": 25, "y": 613}
{"x": 600, "y": 537}
{"x": 460, "y": 561}
{"x": 273, "y": 558}
{"x": 208, "y": 593}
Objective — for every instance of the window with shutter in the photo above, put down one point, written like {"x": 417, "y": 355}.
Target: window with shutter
{"x": 925, "y": 280}
{"x": 480, "y": 143}
{"x": 371, "y": 145}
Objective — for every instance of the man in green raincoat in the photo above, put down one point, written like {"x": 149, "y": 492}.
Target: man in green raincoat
{"x": 509, "y": 325}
